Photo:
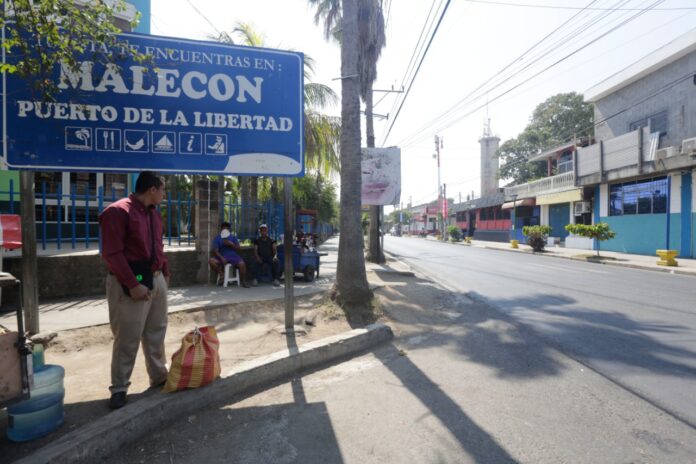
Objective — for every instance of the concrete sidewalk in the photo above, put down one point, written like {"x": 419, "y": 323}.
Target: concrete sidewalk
{"x": 89, "y": 436}
{"x": 611, "y": 258}
{"x": 61, "y": 315}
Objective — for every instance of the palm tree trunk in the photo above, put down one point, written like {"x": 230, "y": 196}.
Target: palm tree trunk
{"x": 352, "y": 291}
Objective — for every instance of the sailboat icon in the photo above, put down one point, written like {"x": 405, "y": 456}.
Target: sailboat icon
{"x": 164, "y": 144}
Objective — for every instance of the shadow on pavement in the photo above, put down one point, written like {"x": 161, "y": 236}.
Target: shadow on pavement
{"x": 480, "y": 445}
{"x": 480, "y": 334}
{"x": 606, "y": 336}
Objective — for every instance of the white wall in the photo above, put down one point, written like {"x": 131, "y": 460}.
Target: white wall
{"x": 544, "y": 217}
{"x": 603, "y": 200}
{"x": 675, "y": 194}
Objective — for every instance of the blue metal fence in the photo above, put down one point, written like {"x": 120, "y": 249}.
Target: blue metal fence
{"x": 72, "y": 218}
{"x": 246, "y": 219}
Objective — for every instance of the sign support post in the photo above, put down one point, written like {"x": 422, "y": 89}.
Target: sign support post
{"x": 288, "y": 250}
{"x": 30, "y": 290}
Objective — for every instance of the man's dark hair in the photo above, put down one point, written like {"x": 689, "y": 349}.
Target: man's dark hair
{"x": 146, "y": 180}
{"x": 225, "y": 224}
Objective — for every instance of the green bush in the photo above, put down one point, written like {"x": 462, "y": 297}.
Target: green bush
{"x": 455, "y": 233}
{"x": 536, "y": 236}
{"x": 599, "y": 232}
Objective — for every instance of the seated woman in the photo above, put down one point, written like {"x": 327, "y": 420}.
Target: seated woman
{"x": 225, "y": 250}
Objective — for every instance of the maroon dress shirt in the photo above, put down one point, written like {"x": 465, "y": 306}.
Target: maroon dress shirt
{"x": 125, "y": 229}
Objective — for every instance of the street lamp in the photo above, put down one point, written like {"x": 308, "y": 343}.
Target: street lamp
{"x": 514, "y": 209}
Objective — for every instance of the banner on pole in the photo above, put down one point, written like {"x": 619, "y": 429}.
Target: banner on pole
{"x": 381, "y": 176}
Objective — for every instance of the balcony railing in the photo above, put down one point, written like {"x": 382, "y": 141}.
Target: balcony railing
{"x": 553, "y": 184}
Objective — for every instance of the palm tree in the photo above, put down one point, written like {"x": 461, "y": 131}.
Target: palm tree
{"x": 363, "y": 33}
{"x": 351, "y": 290}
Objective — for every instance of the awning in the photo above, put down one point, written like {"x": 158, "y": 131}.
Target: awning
{"x": 560, "y": 197}
{"x": 523, "y": 202}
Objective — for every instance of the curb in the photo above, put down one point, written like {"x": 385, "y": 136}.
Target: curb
{"x": 668, "y": 270}
{"x": 96, "y": 441}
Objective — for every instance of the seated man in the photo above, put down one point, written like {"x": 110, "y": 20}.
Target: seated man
{"x": 225, "y": 250}
{"x": 265, "y": 253}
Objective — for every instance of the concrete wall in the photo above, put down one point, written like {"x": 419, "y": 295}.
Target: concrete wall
{"x": 679, "y": 102}
{"x": 79, "y": 276}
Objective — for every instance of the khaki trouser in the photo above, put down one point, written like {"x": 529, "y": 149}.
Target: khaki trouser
{"x": 133, "y": 322}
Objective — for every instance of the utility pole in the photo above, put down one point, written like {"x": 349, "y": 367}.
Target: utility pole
{"x": 445, "y": 209}
{"x": 438, "y": 146}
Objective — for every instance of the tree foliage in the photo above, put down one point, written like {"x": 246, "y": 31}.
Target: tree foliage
{"x": 536, "y": 236}
{"x": 396, "y": 214}
{"x": 315, "y": 192}
{"x": 555, "y": 121}
{"x": 321, "y": 131}
{"x": 40, "y": 35}
{"x": 599, "y": 232}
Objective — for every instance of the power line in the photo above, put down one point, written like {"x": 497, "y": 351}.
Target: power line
{"x": 609, "y": 50}
{"x": 555, "y": 63}
{"x": 461, "y": 104}
{"x": 500, "y": 72}
{"x": 557, "y": 7}
{"x": 417, "y": 49}
{"x": 204, "y": 17}
{"x": 666, "y": 87}
{"x": 657, "y": 92}
{"x": 408, "y": 90}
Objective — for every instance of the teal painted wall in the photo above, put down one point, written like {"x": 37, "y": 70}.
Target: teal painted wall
{"x": 693, "y": 235}
{"x": 643, "y": 233}
{"x": 558, "y": 218}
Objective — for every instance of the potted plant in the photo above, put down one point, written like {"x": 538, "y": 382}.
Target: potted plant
{"x": 536, "y": 236}
{"x": 455, "y": 233}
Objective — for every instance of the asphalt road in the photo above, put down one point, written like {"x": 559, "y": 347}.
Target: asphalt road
{"x": 459, "y": 384}
{"x": 636, "y": 328}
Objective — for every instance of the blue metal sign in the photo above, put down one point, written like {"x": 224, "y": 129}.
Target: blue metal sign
{"x": 198, "y": 107}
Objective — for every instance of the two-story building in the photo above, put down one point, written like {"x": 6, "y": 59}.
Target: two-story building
{"x": 643, "y": 162}
{"x": 637, "y": 175}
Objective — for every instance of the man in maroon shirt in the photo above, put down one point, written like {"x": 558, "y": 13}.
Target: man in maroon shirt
{"x": 131, "y": 230}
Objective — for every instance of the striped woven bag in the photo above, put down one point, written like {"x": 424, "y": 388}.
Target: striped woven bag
{"x": 197, "y": 362}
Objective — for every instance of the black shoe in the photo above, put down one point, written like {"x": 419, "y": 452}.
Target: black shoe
{"x": 159, "y": 384}
{"x": 118, "y": 400}
{"x": 245, "y": 285}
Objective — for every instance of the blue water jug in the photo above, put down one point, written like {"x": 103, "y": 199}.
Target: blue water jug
{"x": 42, "y": 413}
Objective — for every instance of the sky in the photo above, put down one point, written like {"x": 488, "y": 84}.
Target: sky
{"x": 476, "y": 39}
